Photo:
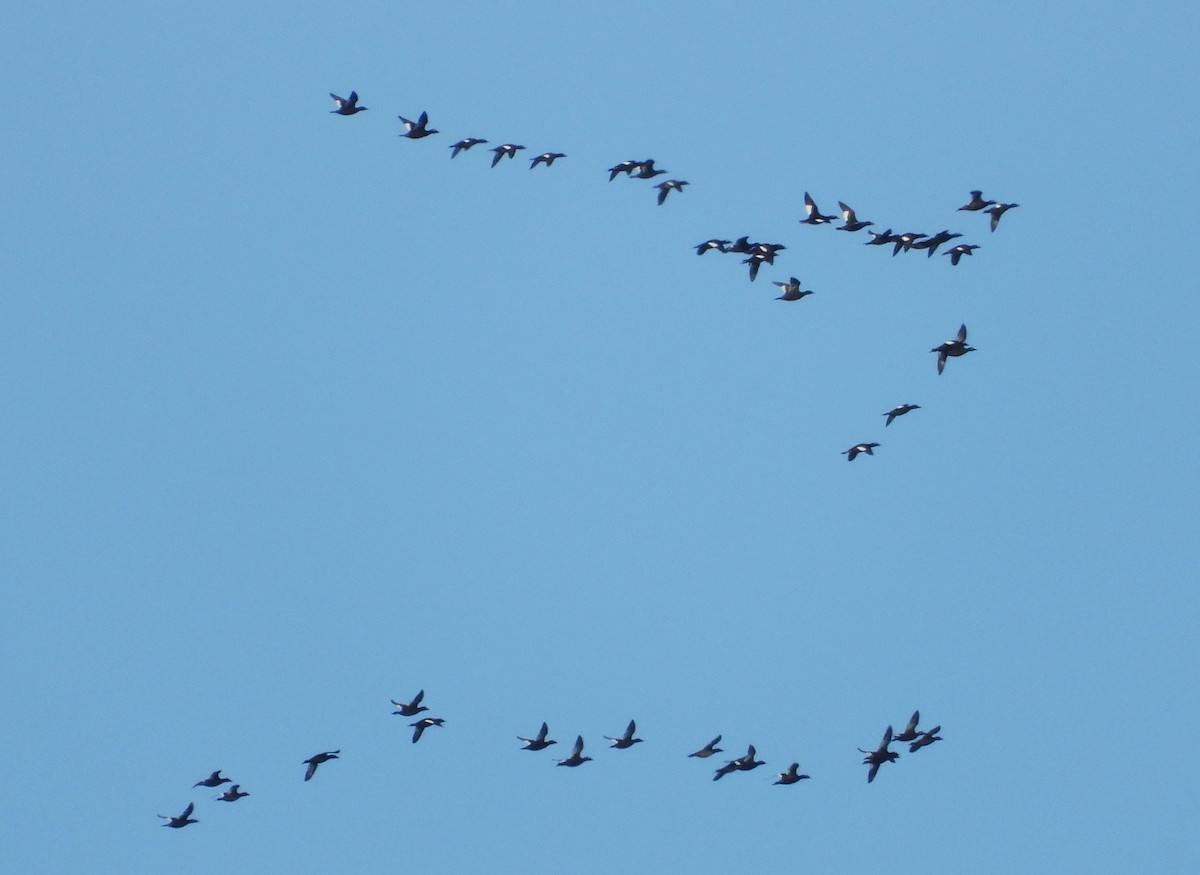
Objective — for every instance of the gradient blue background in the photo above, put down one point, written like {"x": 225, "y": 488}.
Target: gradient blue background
{"x": 300, "y": 417}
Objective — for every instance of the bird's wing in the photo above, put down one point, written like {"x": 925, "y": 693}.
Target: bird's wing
{"x": 962, "y": 333}
{"x": 912, "y": 722}
{"x": 578, "y": 746}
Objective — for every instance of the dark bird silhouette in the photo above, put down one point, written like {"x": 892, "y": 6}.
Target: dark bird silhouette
{"x": 213, "y": 780}
{"x": 976, "y": 202}
{"x": 509, "y": 149}
{"x": 910, "y": 731}
{"x": 576, "y": 758}
{"x": 859, "y": 448}
{"x": 925, "y": 739}
{"x": 626, "y": 740}
{"x": 879, "y": 756}
{"x": 424, "y": 723}
{"x": 878, "y": 239}
{"x": 418, "y": 129}
{"x": 741, "y": 245}
{"x": 959, "y": 251}
{"x": 956, "y": 347}
{"x": 314, "y": 761}
{"x": 905, "y": 241}
{"x": 852, "y": 222}
{"x": 790, "y": 776}
{"x": 767, "y": 250}
{"x": 410, "y": 709}
{"x": 665, "y": 188}
{"x": 645, "y": 170}
{"x": 899, "y": 411}
{"x": 183, "y": 819}
{"x": 791, "y": 290}
{"x": 815, "y": 216}
{"x": 626, "y": 167}
{"x": 708, "y": 749}
{"x": 719, "y": 245}
{"x": 233, "y": 794}
{"x": 539, "y": 743}
{"x": 998, "y": 210}
{"x": 741, "y": 764}
{"x": 756, "y": 261}
{"x": 930, "y": 245}
{"x": 465, "y": 144}
{"x": 547, "y": 158}
{"x": 347, "y": 105}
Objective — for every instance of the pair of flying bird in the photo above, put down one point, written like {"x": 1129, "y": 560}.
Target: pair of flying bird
{"x": 412, "y": 709}
{"x": 917, "y": 739}
{"x": 995, "y": 209}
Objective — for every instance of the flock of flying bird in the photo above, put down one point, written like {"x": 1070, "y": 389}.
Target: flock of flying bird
{"x": 916, "y": 738}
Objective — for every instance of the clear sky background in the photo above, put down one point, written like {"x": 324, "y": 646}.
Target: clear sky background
{"x": 300, "y": 416}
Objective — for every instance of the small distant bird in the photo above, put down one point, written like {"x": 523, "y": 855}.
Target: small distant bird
{"x": 852, "y": 222}
{"x": 183, "y": 819}
{"x": 547, "y": 158}
{"x": 756, "y": 261}
{"x": 233, "y": 794}
{"x": 665, "y": 188}
{"x": 956, "y": 347}
{"x": 899, "y": 411}
{"x": 708, "y": 749}
{"x": 998, "y": 210}
{"x": 930, "y": 245}
{"x": 790, "y": 776}
{"x": 465, "y": 144}
{"x": 925, "y": 739}
{"x": 707, "y": 245}
{"x": 508, "y": 149}
{"x": 347, "y": 105}
{"x": 213, "y": 780}
{"x": 959, "y": 251}
{"x": 976, "y": 202}
{"x": 791, "y": 290}
{"x": 910, "y": 731}
{"x": 539, "y": 743}
{"x": 905, "y": 241}
{"x": 626, "y": 740}
{"x": 410, "y": 709}
{"x": 314, "y": 761}
{"x": 424, "y": 723}
{"x": 645, "y": 169}
{"x": 859, "y": 448}
{"x": 878, "y": 239}
{"x": 741, "y": 245}
{"x": 626, "y": 167}
{"x": 879, "y": 756}
{"x": 418, "y": 129}
{"x": 576, "y": 758}
{"x": 815, "y": 216}
{"x": 741, "y": 764}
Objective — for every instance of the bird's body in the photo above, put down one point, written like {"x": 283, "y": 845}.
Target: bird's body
{"x": 576, "y": 758}
{"x": 859, "y": 448}
{"x": 424, "y": 723}
{"x": 899, "y": 410}
{"x": 183, "y": 819}
{"x": 540, "y": 742}
{"x": 953, "y": 348}
{"x": 347, "y": 105}
{"x": 314, "y": 761}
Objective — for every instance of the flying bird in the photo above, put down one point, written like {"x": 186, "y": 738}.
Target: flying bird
{"x": 790, "y": 776}
{"x": 998, "y": 210}
{"x": 910, "y": 731}
{"x": 626, "y": 740}
{"x": 576, "y": 758}
{"x": 859, "y": 448}
{"x": 418, "y": 129}
{"x": 213, "y": 780}
{"x": 708, "y": 749}
{"x": 976, "y": 202}
{"x": 547, "y": 158}
{"x": 626, "y": 167}
{"x": 410, "y": 709}
{"x": 708, "y": 245}
{"x": 815, "y": 216}
{"x": 183, "y": 819}
{"x": 741, "y": 764}
{"x": 899, "y": 411}
{"x": 956, "y": 347}
{"x": 314, "y": 761}
{"x": 905, "y": 241}
{"x": 756, "y": 261}
{"x": 791, "y": 290}
{"x": 878, "y": 239}
{"x": 465, "y": 144}
{"x": 852, "y": 222}
{"x": 930, "y": 245}
{"x": 665, "y": 188}
{"x": 347, "y": 105}
{"x": 424, "y": 723}
{"x": 879, "y": 756}
{"x": 508, "y": 149}
{"x": 959, "y": 251}
{"x": 925, "y": 739}
{"x": 233, "y": 794}
{"x": 539, "y": 743}
{"x": 645, "y": 169}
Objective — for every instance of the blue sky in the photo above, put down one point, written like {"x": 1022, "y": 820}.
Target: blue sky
{"x": 301, "y": 416}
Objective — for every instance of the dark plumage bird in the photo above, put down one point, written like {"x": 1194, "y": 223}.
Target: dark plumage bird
{"x": 859, "y": 448}
{"x": 183, "y": 819}
{"x": 626, "y": 167}
{"x": 879, "y": 756}
{"x": 626, "y": 740}
{"x": 767, "y": 250}
{"x": 708, "y": 749}
{"x": 418, "y": 129}
{"x": 410, "y": 709}
{"x": 878, "y": 239}
{"x": 645, "y": 170}
{"x": 925, "y": 739}
{"x": 347, "y": 105}
{"x": 756, "y": 261}
{"x": 741, "y": 764}
{"x": 815, "y": 216}
{"x": 741, "y": 245}
{"x": 998, "y": 210}
{"x": 852, "y": 222}
{"x": 509, "y": 149}
{"x": 719, "y": 245}
{"x": 233, "y": 794}
{"x": 956, "y": 347}
{"x": 424, "y": 723}
{"x": 905, "y": 241}
{"x": 314, "y": 761}
{"x": 576, "y": 758}
{"x": 791, "y": 290}
{"x": 547, "y": 158}
{"x": 899, "y": 411}
{"x": 910, "y": 731}
{"x": 213, "y": 780}
{"x": 790, "y": 776}
{"x": 959, "y": 251}
{"x": 539, "y": 743}
{"x": 931, "y": 244}
{"x": 665, "y": 188}
{"x": 976, "y": 202}
{"x": 465, "y": 144}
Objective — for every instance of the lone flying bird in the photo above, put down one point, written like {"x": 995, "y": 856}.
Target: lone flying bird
{"x": 183, "y": 819}
{"x": 708, "y": 749}
{"x": 815, "y": 216}
{"x": 576, "y": 758}
{"x": 233, "y": 794}
{"x": 418, "y": 129}
{"x": 508, "y": 149}
{"x": 626, "y": 740}
{"x": 790, "y": 776}
{"x": 956, "y": 347}
{"x": 547, "y": 158}
{"x": 879, "y": 756}
{"x": 347, "y": 105}
{"x": 465, "y": 144}
{"x": 859, "y": 448}
{"x": 976, "y": 202}
{"x": 707, "y": 245}
{"x": 411, "y": 709}
{"x": 213, "y": 780}
{"x": 314, "y": 761}
{"x": 424, "y": 723}
{"x": 539, "y": 743}
{"x": 665, "y": 188}
{"x": 899, "y": 411}
{"x": 791, "y": 290}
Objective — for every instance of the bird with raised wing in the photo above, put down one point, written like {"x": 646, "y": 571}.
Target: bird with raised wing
{"x": 540, "y": 742}
{"x": 576, "y": 758}
{"x": 954, "y": 348}
{"x": 233, "y": 794}
{"x": 626, "y": 740}
{"x": 814, "y": 216}
{"x": 708, "y": 749}
{"x": 410, "y": 709}
{"x": 791, "y": 776}
{"x": 347, "y": 105}
{"x": 314, "y": 761}
{"x": 879, "y": 756}
{"x": 415, "y": 130}
{"x": 183, "y": 819}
